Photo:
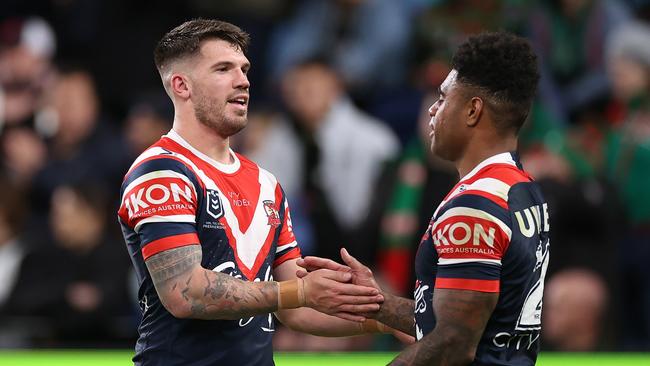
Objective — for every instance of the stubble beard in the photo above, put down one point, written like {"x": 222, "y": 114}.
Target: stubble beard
{"x": 214, "y": 117}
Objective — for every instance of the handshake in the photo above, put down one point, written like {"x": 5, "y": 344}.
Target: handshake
{"x": 348, "y": 291}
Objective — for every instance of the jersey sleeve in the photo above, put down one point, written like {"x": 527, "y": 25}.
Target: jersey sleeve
{"x": 287, "y": 247}
{"x": 159, "y": 199}
{"x": 470, "y": 237}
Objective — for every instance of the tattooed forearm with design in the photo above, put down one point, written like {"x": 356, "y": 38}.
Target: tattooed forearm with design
{"x": 190, "y": 291}
{"x": 397, "y": 313}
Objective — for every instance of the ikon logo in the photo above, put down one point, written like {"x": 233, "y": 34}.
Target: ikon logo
{"x": 460, "y": 233}
{"x": 214, "y": 206}
{"x": 156, "y": 194}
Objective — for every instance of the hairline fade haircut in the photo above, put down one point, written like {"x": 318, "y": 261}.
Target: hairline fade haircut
{"x": 502, "y": 69}
{"x": 185, "y": 41}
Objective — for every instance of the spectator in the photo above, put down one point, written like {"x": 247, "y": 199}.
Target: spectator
{"x": 626, "y": 164}
{"x": 78, "y": 284}
{"x": 575, "y": 302}
{"x": 568, "y": 37}
{"x": 148, "y": 119}
{"x": 367, "y": 40}
{"x": 82, "y": 147}
{"x": 345, "y": 152}
{"x": 26, "y": 48}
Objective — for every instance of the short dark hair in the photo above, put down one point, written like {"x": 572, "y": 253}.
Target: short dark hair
{"x": 503, "y": 69}
{"x": 185, "y": 40}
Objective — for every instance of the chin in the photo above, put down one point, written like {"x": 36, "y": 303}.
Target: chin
{"x": 440, "y": 153}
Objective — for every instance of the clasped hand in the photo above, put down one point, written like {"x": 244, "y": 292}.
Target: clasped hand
{"x": 348, "y": 291}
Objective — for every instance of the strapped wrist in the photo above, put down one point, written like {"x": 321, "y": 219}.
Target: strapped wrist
{"x": 291, "y": 294}
{"x": 373, "y": 326}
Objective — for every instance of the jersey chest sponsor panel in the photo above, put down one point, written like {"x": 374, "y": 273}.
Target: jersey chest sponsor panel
{"x": 490, "y": 234}
{"x": 173, "y": 196}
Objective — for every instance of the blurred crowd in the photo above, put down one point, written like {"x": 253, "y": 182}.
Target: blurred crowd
{"x": 340, "y": 92}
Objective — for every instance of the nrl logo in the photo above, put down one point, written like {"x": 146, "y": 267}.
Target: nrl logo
{"x": 271, "y": 213}
{"x": 214, "y": 206}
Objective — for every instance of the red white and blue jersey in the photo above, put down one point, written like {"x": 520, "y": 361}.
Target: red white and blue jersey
{"x": 490, "y": 234}
{"x": 172, "y": 196}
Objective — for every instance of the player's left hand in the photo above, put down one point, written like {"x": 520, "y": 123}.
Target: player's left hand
{"x": 361, "y": 274}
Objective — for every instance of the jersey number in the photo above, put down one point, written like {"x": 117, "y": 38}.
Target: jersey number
{"x": 531, "y": 312}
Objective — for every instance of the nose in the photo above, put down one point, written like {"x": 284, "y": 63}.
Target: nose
{"x": 433, "y": 109}
{"x": 241, "y": 81}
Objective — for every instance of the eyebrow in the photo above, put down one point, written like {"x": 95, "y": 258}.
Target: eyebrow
{"x": 440, "y": 91}
{"x": 219, "y": 64}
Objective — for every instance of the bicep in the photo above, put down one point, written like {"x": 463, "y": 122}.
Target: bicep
{"x": 172, "y": 266}
{"x": 463, "y": 314}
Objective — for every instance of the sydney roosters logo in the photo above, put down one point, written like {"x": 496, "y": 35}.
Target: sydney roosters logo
{"x": 271, "y": 213}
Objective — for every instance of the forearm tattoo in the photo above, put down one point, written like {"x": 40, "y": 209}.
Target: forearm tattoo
{"x": 398, "y": 312}
{"x": 208, "y": 294}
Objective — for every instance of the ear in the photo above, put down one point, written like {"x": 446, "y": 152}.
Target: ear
{"x": 474, "y": 111}
{"x": 180, "y": 85}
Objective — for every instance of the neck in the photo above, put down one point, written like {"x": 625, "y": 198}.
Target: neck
{"x": 477, "y": 151}
{"x": 203, "y": 138}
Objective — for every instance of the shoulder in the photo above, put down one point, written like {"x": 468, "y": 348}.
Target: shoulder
{"x": 160, "y": 164}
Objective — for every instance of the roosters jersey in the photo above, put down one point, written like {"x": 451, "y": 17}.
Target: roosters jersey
{"x": 172, "y": 196}
{"x": 490, "y": 234}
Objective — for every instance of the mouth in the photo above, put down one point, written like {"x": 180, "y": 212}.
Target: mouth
{"x": 240, "y": 100}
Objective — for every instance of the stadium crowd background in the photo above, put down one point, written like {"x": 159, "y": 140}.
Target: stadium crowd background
{"x": 340, "y": 90}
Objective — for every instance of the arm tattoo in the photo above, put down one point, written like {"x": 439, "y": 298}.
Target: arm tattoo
{"x": 178, "y": 276}
{"x": 398, "y": 312}
{"x": 461, "y": 318}
{"x": 226, "y": 297}
{"x": 171, "y": 263}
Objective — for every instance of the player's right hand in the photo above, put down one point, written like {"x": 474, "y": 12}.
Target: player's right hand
{"x": 330, "y": 292}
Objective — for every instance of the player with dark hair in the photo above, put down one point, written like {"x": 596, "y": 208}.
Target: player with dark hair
{"x": 481, "y": 263}
{"x": 208, "y": 230}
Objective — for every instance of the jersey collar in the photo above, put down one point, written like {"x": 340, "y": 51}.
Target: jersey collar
{"x": 224, "y": 168}
{"x": 502, "y": 158}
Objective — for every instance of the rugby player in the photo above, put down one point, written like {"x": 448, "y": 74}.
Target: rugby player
{"x": 209, "y": 232}
{"x": 481, "y": 263}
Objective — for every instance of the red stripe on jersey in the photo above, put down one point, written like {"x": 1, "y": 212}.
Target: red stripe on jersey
{"x": 506, "y": 173}
{"x": 292, "y": 254}
{"x": 269, "y": 239}
{"x": 170, "y": 242}
{"x": 494, "y": 198}
{"x": 468, "y": 284}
